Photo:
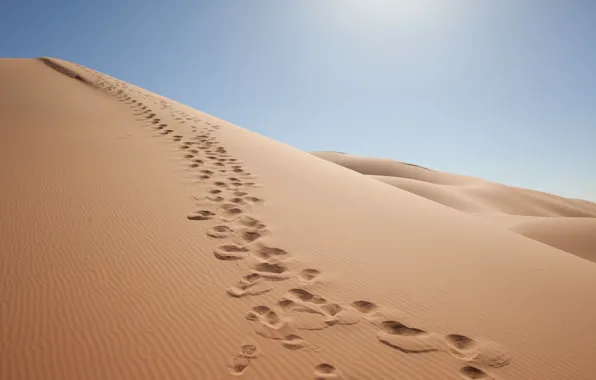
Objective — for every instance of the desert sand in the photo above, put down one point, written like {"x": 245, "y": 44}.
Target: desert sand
{"x": 143, "y": 239}
{"x": 567, "y": 224}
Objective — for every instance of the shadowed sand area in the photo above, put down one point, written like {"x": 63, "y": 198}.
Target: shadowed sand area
{"x": 143, "y": 239}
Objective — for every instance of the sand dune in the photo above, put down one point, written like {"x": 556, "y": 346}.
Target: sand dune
{"x": 142, "y": 239}
{"x": 567, "y": 224}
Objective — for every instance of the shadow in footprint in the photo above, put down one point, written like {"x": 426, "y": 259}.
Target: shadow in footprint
{"x": 474, "y": 373}
{"x": 479, "y": 352}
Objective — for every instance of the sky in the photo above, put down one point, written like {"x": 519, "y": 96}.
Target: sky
{"x": 504, "y": 90}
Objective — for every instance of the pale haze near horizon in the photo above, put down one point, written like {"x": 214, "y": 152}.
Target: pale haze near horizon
{"x": 501, "y": 90}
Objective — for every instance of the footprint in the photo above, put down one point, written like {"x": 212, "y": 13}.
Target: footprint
{"x": 265, "y": 315}
{"x": 249, "y": 285}
{"x": 252, "y": 199}
{"x": 479, "y": 352}
{"x": 220, "y": 232}
{"x": 326, "y": 371}
{"x": 250, "y": 351}
{"x": 398, "y": 328}
{"x": 474, "y": 373}
{"x": 250, "y": 235}
{"x": 275, "y": 271}
{"x": 201, "y": 215}
{"x": 364, "y": 307}
{"x": 294, "y": 342}
{"x": 305, "y": 296}
{"x": 309, "y": 274}
{"x": 268, "y": 253}
{"x": 229, "y": 252}
{"x": 249, "y": 221}
{"x": 311, "y": 312}
{"x": 239, "y": 365}
{"x": 270, "y": 324}
{"x": 238, "y": 201}
{"x": 231, "y": 209}
{"x": 407, "y": 339}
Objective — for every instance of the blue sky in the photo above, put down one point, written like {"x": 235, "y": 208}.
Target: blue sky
{"x": 500, "y": 89}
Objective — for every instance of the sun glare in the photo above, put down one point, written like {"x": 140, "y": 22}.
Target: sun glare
{"x": 383, "y": 13}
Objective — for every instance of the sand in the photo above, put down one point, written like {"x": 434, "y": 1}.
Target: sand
{"x": 567, "y": 224}
{"x": 142, "y": 239}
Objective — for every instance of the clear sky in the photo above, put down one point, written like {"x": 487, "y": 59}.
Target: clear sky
{"x": 500, "y": 89}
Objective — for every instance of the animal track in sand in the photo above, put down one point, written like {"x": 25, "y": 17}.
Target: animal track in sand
{"x": 201, "y": 215}
{"x": 483, "y": 353}
{"x": 326, "y": 371}
{"x": 230, "y": 252}
{"x": 474, "y": 373}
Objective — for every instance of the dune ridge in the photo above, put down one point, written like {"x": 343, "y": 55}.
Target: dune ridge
{"x": 147, "y": 240}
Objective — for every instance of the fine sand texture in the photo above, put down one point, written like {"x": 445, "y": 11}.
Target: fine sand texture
{"x": 142, "y": 239}
{"x": 567, "y": 224}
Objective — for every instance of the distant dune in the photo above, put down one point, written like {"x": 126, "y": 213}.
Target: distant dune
{"x": 143, "y": 239}
{"x": 567, "y": 224}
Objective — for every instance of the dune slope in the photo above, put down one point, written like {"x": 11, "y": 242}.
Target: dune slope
{"x": 491, "y": 201}
{"x": 143, "y": 239}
